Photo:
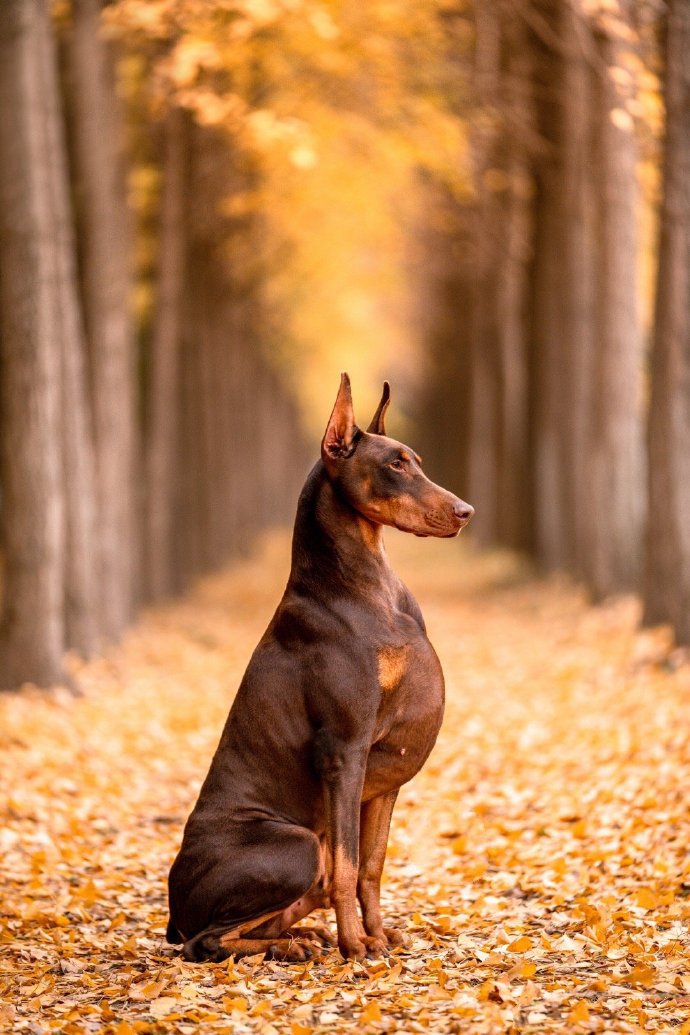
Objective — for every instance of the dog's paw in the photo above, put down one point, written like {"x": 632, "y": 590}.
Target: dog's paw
{"x": 319, "y": 933}
{"x": 366, "y": 946}
{"x": 394, "y": 936}
{"x": 376, "y": 946}
{"x": 293, "y": 950}
{"x": 352, "y": 950}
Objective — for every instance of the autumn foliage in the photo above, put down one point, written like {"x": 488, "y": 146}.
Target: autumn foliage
{"x": 538, "y": 864}
{"x": 209, "y": 209}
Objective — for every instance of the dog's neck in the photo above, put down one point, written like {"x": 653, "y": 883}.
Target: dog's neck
{"x": 331, "y": 538}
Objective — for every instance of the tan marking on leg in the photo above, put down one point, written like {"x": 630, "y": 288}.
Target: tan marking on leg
{"x": 343, "y": 895}
{"x": 315, "y": 932}
{"x": 374, "y": 827}
{"x": 291, "y": 950}
{"x": 250, "y": 925}
{"x": 326, "y": 872}
{"x": 353, "y": 941}
{"x": 279, "y": 924}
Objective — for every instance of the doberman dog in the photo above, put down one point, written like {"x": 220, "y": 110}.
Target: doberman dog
{"x": 341, "y": 704}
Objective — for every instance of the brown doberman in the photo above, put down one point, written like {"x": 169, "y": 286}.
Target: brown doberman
{"x": 340, "y": 705}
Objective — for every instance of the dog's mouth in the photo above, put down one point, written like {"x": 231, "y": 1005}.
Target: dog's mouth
{"x": 438, "y": 535}
{"x": 433, "y": 528}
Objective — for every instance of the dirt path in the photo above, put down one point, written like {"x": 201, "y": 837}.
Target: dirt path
{"x": 539, "y": 863}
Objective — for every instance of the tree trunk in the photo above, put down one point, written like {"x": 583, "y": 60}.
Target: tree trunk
{"x": 442, "y": 275}
{"x": 81, "y": 589}
{"x": 106, "y": 277}
{"x": 667, "y": 575}
{"x": 32, "y": 641}
{"x": 164, "y": 372}
{"x": 616, "y": 473}
{"x": 485, "y": 349}
{"x": 576, "y": 280}
{"x": 514, "y": 238}
{"x": 586, "y": 366}
{"x": 499, "y": 483}
{"x": 230, "y": 469}
{"x": 547, "y": 382}
{"x": 187, "y": 562}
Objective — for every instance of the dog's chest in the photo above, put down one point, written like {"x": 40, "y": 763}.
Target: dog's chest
{"x": 392, "y": 663}
{"x": 407, "y": 669}
{"x": 410, "y": 681}
{"x": 410, "y": 712}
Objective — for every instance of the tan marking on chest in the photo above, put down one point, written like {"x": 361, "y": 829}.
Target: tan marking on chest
{"x": 392, "y": 662}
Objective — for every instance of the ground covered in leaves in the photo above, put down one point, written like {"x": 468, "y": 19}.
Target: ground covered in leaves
{"x": 539, "y": 863}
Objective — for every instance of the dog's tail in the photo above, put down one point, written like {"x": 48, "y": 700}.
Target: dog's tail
{"x": 172, "y": 935}
{"x": 205, "y": 947}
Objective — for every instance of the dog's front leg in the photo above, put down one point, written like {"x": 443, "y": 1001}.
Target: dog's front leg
{"x": 375, "y": 825}
{"x": 341, "y": 766}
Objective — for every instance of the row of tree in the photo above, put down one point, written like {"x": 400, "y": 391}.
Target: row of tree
{"x": 172, "y": 221}
{"x": 535, "y": 284}
{"x": 134, "y": 456}
{"x": 156, "y": 159}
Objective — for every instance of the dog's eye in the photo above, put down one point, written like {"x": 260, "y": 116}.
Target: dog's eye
{"x": 397, "y": 465}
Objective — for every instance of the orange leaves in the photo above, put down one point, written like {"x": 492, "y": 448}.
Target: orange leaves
{"x": 579, "y": 828}
{"x": 130, "y": 947}
{"x": 354, "y": 100}
{"x": 459, "y": 845}
{"x": 642, "y": 975}
{"x": 371, "y": 1012}
{"x": 647, "y": 899}
{"x": 146, "y": 990}
{"x": 88, "y": 893}
{"x": 579, "y": 1013}
{"x": 237, "y": 1003}
{"x": 124, "y": 1028}
{"x": 538, "y": 864}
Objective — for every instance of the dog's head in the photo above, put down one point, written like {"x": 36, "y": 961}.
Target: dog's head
{"x": 383, "y": 479}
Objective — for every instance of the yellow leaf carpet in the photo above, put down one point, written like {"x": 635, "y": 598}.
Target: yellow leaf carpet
{"x": 540, "y": 863}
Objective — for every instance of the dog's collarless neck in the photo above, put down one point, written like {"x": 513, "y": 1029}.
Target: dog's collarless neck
{"x": 332, "y": 538}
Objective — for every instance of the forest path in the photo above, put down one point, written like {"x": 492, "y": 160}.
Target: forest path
{"x": 539, "y": 862}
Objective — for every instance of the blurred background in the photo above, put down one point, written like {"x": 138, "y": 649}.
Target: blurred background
{"x": 209, "y": 209}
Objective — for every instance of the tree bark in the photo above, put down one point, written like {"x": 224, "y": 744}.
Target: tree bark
{"x": 576, "y": 255}
{"x": 514, "y": 240}
{"x": 667, "y": 572}
{"x": 499, "y": 483}
{"x": 547, "y": 382}
{"x": 485, "y": 356}
{"x": 106, "y": 278}
{"x": 164, "y": 369}
{"x": 32, "y": 639}
{"x": 586, "y": 437}
{"x": 615, "y": 456}
{"x": 442, "y": 275}
{"x": 81, "y": 589}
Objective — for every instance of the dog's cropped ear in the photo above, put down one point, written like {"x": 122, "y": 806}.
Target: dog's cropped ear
{"x": 342, "y": 432}
{"x": 377, "y": 426}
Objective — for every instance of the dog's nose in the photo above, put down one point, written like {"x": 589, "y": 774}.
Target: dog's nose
{"x": 462, "y": 511}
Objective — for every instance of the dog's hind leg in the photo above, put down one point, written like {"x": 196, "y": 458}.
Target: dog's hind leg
{"x": 260, "y": 871}
{"x": 287, "y": 948}
{"x": 273, "y": 935}
{"x": 212, "y": 947}
{"x": 282, "y": 925}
